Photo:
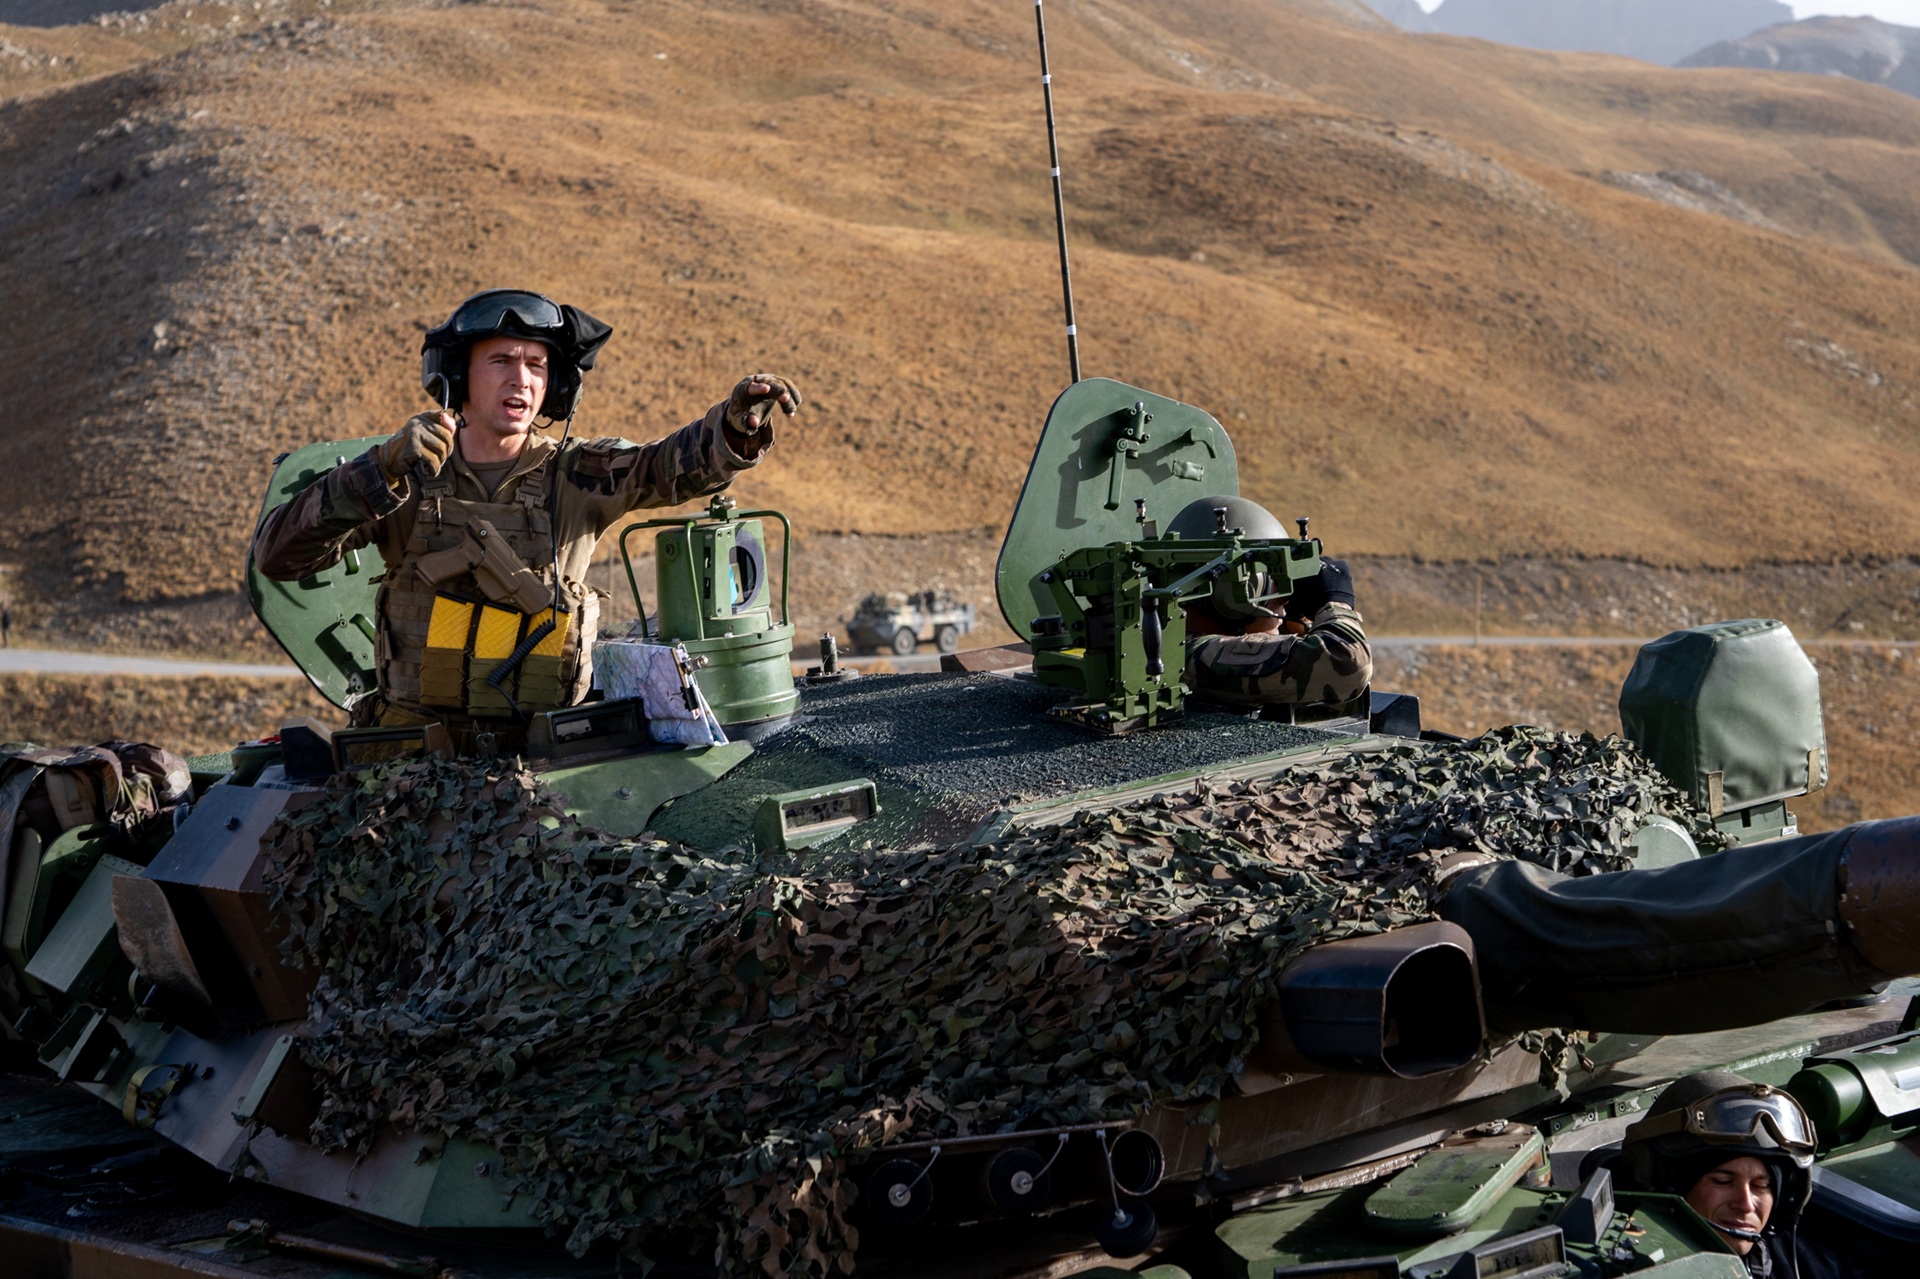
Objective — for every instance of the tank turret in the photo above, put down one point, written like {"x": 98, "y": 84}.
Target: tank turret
{"x": 928, "y": 952}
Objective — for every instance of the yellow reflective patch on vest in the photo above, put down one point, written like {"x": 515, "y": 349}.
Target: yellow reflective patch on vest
{"x": 499, "y": 632}
{"x": 443, "y": 665}
{"x": 554, "y": 644}
{"x": 450, "y": 624}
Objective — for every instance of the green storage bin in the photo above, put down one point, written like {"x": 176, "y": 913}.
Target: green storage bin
{"x": 1730, "y": 712}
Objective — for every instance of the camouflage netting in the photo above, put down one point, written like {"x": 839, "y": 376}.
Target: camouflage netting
{"x": 653, "y": 1038}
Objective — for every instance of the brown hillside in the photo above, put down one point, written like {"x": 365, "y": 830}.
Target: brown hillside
{"x": 1421, "y": 280}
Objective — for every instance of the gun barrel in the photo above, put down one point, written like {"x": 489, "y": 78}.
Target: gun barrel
{"x": 1880, "y": 894}
{"x": 1734, "y": 939}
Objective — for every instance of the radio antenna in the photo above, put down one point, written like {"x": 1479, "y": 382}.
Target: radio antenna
{"x": 1059, "y": 200}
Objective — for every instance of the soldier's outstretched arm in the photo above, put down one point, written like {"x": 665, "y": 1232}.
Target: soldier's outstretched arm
{"x": 701, "y": 457}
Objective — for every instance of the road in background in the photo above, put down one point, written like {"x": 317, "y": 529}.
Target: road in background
{"x": 51, "y": 661}
{"x": 47, "y": 661}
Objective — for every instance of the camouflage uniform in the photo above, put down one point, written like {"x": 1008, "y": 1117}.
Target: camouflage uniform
{"x": 1329, "y": 664}
{"x": 586, "y": 488}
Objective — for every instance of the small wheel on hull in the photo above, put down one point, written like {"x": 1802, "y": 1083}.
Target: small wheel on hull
{"x": 905, "y": 641}
{"x": 1017, "y": 1181}
{"x": 947, "y": 638}
{"x": 898, "y": 1195}
{"x": 1126, "y": 1232}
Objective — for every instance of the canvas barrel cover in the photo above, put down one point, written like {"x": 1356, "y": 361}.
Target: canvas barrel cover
{"x": 1730, "y": 712}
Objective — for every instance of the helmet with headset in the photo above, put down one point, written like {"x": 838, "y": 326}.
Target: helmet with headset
{"x": 1704, "y": 1120}
{"x": 572, "y": 337}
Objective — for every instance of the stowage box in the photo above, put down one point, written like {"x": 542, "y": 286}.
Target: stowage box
{"x": 1730, "y": 712}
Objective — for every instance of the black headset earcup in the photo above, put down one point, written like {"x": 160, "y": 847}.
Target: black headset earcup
{"x": 1633, "y": 1166}
{"x": 563, "y": 391}
{"x": 443, "y": 370}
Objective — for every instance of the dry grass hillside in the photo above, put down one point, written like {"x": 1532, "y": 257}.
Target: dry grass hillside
{"x": 1460, "y": 302}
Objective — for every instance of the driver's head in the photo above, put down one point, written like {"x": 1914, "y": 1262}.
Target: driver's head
{"x": 1736, "y": 1197}
{"x": 1738, "y": 1152}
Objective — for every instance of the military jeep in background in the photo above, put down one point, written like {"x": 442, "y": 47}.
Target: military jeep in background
{"x": 901, "y": 622}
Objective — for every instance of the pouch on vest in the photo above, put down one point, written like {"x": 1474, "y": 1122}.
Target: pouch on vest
{"x": 443, "y": 664}
{"x": 541, "y": 670}
{"x": 501, "y": 575}
{"x": 494, "y": 638}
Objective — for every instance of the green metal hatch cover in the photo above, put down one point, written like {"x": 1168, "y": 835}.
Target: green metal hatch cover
{"x": 1106, "y": 446}
{"x": 324, "y": 621}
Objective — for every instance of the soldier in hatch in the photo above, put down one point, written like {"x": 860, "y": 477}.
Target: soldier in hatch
{"x": 1740, "y": 1154}
{"x": 487, "y": 526}
{"x": 1314, "y": 652}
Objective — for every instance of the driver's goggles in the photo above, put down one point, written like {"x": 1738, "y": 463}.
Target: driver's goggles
{"x": 488, "y": 313}
{"x": 1739, "y": 1114}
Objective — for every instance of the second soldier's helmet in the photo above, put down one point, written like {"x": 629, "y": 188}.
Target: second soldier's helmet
{"x": 573, "y": 337}
{"x": 1702, "y": 1121}
{"x": 1204, "y": 517}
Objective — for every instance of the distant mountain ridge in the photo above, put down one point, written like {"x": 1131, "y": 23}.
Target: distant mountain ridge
{"x": 1858, "y": 48}
{"x": 1655, "y": 30}
{"x": 59, "y": 13}
{"x": 1405, "y": 14}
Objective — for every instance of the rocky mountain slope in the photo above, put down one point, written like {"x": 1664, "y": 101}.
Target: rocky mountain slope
{"x": 1655, "y": 30}
{"x": 1457, "y": 301}
{"x": 1859, "y": 48}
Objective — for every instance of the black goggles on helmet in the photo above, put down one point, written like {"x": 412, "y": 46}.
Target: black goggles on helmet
{"x": 499, "y": 310}
{"x": 1737, "y": 1116}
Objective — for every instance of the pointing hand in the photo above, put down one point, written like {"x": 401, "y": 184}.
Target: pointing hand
{"x": 754, "y": 399}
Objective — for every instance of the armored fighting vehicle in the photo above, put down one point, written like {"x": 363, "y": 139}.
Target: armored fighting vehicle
{"x": 1018, "y": 969}
{"x": 900, "y": 622}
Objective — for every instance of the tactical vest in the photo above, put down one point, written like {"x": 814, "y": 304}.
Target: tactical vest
{"x": 445, "y": 637}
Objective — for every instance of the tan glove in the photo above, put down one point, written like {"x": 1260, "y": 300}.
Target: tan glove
{"x": 426, "y": 439}
{"x": 754, "y": 400}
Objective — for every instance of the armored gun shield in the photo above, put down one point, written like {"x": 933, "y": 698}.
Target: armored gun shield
{"x": 1107, "y": 447}
{"x": 324, "y": 620}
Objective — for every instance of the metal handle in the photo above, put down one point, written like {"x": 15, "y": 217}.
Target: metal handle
{"x": 633, "y": 583}
{"x": 626, "y": 558}
{"x": 786, "y": 555}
